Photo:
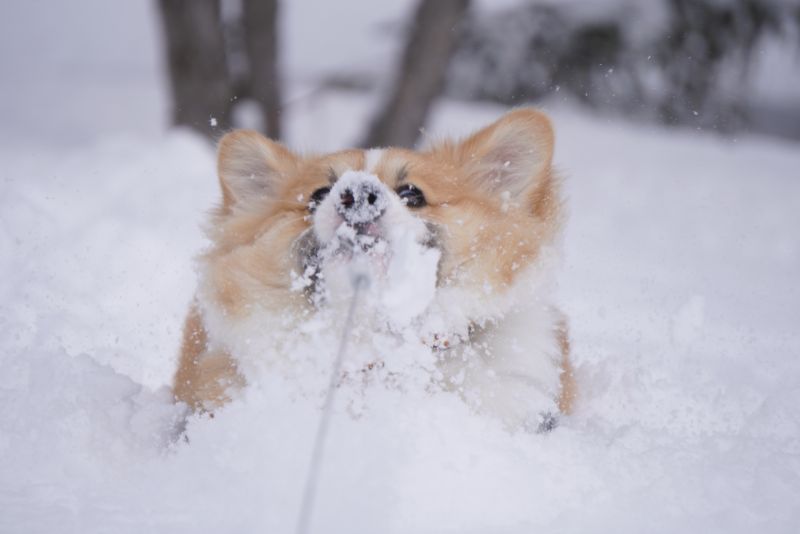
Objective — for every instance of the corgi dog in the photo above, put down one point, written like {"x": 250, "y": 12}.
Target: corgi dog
{"x": 458, "y": 243}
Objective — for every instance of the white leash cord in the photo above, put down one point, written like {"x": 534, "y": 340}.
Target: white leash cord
{"x": 309, "y": 493}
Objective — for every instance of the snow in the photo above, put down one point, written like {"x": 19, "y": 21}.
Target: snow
{"x": 680, "y": 279}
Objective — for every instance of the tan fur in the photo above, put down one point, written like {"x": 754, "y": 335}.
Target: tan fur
{"x": 491, "y": 234}
{"x": 569, "y": 388}
{"x": 203, "y": 376}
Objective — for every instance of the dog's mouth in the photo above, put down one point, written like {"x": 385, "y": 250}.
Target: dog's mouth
{"x": 350, "y": 239}
{"x": 365, "y": 243}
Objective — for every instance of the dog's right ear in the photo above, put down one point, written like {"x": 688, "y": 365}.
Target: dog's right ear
{"x": 251, "y": 168}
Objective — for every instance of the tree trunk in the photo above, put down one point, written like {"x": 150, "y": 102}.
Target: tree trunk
{"x": 201, "y": 93}
{"x": 261, "y": 40}
{"x": 422, "y": 73}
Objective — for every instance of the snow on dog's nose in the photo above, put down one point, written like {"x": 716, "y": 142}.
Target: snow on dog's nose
{"x": 360, "y": 198}
{"x": 362, "y": 225}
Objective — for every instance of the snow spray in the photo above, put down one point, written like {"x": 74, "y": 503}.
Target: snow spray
{"x": 359, "y": 280}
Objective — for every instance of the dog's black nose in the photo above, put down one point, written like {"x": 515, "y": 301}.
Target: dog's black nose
{"x": 361, "y": 202}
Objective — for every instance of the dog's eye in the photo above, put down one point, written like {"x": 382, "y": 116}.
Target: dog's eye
{"x": 411, "y": 196}
{"x": 317, "y": 197}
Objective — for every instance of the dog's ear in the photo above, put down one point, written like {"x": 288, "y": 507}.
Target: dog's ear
{"x": 511, "y": 155}
{"x": 251, "y": 168}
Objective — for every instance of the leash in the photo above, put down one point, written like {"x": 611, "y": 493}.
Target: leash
{"x": 309, "y": 492}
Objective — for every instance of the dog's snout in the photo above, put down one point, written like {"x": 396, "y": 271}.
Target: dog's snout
{"x": 361, "y": 202}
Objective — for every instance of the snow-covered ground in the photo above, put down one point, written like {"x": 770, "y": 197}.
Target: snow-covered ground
{"x": 681, "y": 278}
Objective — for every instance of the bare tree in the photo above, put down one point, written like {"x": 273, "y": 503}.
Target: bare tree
{"x": 198, "y": 72}
{"x": 201, "y": 47}
{"x": 259, "y": 19}
{"x": 422, "y": 73}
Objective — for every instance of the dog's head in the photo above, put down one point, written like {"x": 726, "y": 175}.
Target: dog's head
{"x": 464, "y": 217}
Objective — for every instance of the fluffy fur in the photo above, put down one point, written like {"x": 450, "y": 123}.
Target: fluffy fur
{"x": 480, "y": 250}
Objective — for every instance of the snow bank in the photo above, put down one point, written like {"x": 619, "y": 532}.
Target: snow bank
{"x": 680, "y": 280}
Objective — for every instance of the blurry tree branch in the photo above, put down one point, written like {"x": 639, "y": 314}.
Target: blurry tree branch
{"x": 198, "y": 71}
{"x": 421, "y": 74}
{"x": 261, "y": 40}
{"x": 673, "y": 61}
{"x": 199, "y": 58}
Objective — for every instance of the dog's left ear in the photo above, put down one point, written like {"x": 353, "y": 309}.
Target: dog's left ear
{"x": 511, "y": 155}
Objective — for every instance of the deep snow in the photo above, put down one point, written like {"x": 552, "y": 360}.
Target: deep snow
{"x": 680, "y": 279}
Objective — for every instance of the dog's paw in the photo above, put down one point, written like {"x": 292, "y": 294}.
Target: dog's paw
{"x": 541, "y": 423}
